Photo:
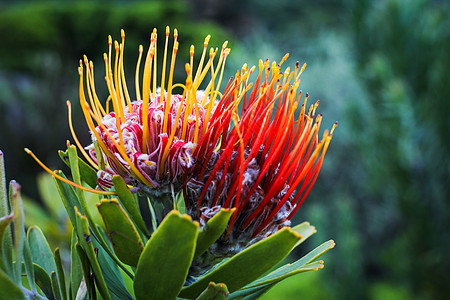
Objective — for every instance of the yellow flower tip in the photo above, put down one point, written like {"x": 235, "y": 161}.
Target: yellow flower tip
{"x": 334, "y": 127}
{"x": 141, "y": 48}
{"x": 175, "y": 47}
{"x": 116, "y": 45}
{"x": 332, "y": 244}
{"x": 167, "y": 30}
{"x": 109, "y": 40}
{"x": 225, "y": 44}
{"x": 191, "y": 51}
{"x": 122, "y": 33}
{"x": 175, "y": 33}
{"x": 206, "y": 42}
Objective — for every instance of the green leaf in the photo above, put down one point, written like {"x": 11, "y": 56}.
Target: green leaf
{"x": 87, "y": 281}
{"x": 40, "y": 250}
{"x": 9, "y": 290}
{"x": 87, "y": 173}
{"x": 6, "y": 243}
{"x": 254, "y": 291}
{"x": 305, "y": 230}
{"x": 29, "y": 266}
{"x": 212, "y": 230}
{"x": 304, "y": 264}
{"x": 55, "y": 286}
{"x": 62, "y": 278}
{"x": 19, "y": 227}
{"x": 86, "y": 243}
{"x": 113, "y": 276}
{"x": 291, "y": 269}
{"x": 125, "y": 239}
{"x": 43, "y": 281}
{"x": 4, "y": 210}
{"x": 76, "y": 270}
{"x": 163, "y": 266}
{"x": 129, "y": 202}
{"x": 214, "y": 291}
{"x": 4, "y": 222}
{"x": 249, "y": 264}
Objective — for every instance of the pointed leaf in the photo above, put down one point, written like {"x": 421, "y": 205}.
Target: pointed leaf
{"x": 43, "y": 281}
{"x": 19, "y": 227}
{"x": 129, "y": 202}
{"x": 87, "y": 173}
{"x": 3, "y": 192}
{"x": 86, "y": 243}
{"x": 40, "y": 250}
{"x": 214, "y": 291}
{"x": 55, "y": 286}
{"x": 126, "y": 242}
{"x": 249, "y": 264}
{"x": 6, "y": 243}
{"x": 9, "y": 290}
{"x": 76, "y": 271}
{"x": 113, "y": 276}
{"x": 29, "y": 266}
{"x": 61, "y": 276}
{"x": 87, "y": 279}
{"x": 212, "y": 230}
{"x": 4, "y": 222}
{"x": 163, "y": 266}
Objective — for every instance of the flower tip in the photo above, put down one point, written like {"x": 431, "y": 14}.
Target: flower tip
{"x": 332, "y": 243}
{"x": 122, "y": 33}
{"x": 167, "y": 30}
{"x": 28, "y": 151}
{"x": 206, "y": 42}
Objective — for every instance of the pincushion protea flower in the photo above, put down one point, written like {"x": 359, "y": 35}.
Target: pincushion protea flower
{"x": 242, "y": 159}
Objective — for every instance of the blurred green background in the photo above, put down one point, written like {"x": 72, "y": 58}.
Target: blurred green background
{"x": 381, "y": 68}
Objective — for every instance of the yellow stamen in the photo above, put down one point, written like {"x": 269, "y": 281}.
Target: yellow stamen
{"x": 154, "y": 38}
{"x": 92, "y": 86}
{"x": 163, "y": 75}
{"x": 122, "y": 72}
{"x": 202, "y": 59}
{"x": 188, "y": 92}
{"x": 136, "y": 78}
{"x": 91, "y": 100}
{"x": 146, "y": 93}
{"x": 169, "y": 87}
{"x": 53, "y": 173}
{"x": 88, "y": 158}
